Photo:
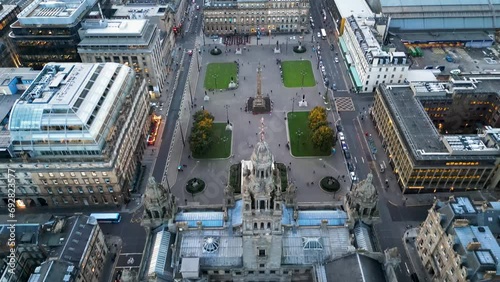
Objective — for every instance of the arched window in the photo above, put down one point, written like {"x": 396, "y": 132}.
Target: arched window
{"x": 255, "y": 225}
{"x": 262, "y": 225}
{"x": 269, "y": 225}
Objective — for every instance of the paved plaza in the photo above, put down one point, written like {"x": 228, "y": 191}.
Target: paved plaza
{"x": 246, "y": 126}
{"x": 344, "y": 104}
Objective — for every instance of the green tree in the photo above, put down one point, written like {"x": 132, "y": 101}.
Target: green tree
{"x": 322, "y": 137}
{"x": 317, "y": 118}
{"x": 201, "y": 137}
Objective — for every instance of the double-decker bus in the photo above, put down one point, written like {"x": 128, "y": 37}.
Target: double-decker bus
{"x": 323, "y": 33}
{"x": 107, "y": 217}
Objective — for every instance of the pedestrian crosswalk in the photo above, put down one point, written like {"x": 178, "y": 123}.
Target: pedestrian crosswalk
{"x": 344, "y": 104}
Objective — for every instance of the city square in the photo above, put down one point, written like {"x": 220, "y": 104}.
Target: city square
{"x": 306, "y": 171}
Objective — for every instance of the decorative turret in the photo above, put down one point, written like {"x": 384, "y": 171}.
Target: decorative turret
{"x": 159, "y": 204}
{"x": 361, "y": 202}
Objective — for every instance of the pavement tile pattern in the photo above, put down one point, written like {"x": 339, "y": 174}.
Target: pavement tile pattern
{"x": 344, "y": 104}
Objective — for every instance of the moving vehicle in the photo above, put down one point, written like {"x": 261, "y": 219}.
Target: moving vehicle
{"x": 323, "y": 33}
{"x": 107, "y": 217}
{"x": 332, "y": 47}
{"x": 353, "y": 176}
{"x": 350, "y": 166}
{"x": 336, "y": 59}
{"x": 197, "y": 7}
{"x": 319, "y": 35}
{"x": 155, "y": 127}
{"x": 334, "y": 87}
{"x": 344, "y": 145}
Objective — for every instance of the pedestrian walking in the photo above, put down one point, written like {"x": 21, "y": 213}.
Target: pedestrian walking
{"x": 248, "y": 122}
{"x": 279, "y": 145}
{"x": 234, "y": 95}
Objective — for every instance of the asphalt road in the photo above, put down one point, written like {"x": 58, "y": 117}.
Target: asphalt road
{"x": 394, "y": 219}
{"x": 186, "y": 42}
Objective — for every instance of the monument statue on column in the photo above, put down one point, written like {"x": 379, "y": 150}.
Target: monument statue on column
{"x": 259, "y": 104}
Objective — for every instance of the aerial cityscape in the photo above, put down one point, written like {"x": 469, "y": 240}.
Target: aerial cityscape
{"x": 249, "y": 140}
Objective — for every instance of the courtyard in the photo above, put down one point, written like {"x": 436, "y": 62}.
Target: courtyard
{"x": 307, "y": 164}
{"x": 218, "y": 75}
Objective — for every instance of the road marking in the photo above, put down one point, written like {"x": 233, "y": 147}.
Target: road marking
{"x": 355, "y": 160}
{"x": 130, "y": 254}
{"x": 363, "y": 159}
{"x": 407, "y": 269}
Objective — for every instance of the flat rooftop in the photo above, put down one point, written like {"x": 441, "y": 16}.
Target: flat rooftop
{"x": 8, "y": 74}
{"x": 139, "y": 12}
{"x": 54, "y": 12}
{"x": 119, "y": 26}
{"x": 6, "y": 104}
{"x": 418, "y": 130}
{"x": 356, "y": 8}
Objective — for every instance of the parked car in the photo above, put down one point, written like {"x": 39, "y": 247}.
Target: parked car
{"x": 332, "y": 47}
{"x": 350, "y": 166}
{"x": 190, "y": 52}
{"x": 339, "y": 128}
{"x": 344, "y": 145}
{"x": 353, "y": 176}
{"x": 319, "y": 35}
{"x": 334, "y": 87}
{"x": 341, "y": 136}
{"x": 347, "y": 155}
{"x": 336, "y": 59}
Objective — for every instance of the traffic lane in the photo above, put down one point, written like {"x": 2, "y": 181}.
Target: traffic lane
{"x": 133, "y": 235}
{"x": 129, "y": 260}
{"x": 356, "y": 146}
{"x": 168, "y": 131}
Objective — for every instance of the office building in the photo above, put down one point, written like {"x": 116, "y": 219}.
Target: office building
{"x": 29, "y": 252}
{"x": 14, "y": 81}
{"x": 370, "y": 65}
{"x": 255, "y": 17}
{"x": 439, "y": 15}
{"x": 76, "y": 136}
{"x": 135, "y": 43}
{"x": 8, "y": 54}
{"x": 441, "y": 136}
{"x": 457, "y": 242}
{"x": 47, "y": 31}
{"x": 76, "y": 250}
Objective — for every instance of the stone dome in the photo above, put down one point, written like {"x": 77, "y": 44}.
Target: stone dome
{"x": 262, "y": 154}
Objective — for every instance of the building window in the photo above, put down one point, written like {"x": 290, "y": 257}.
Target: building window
{"x": 262, "y": 265}
{"x": 65, "y": 181}
{"x": 72, "y": 174}
{"x": 76, "y": 181}
{"x": 83, "y": 173}
{"x": 40, "y": 174}
{"x": 49, "y": 190}
{"x": 110, "y": 189}
{"x": 100, "y": 189}
{"x": 107, "y": 180}
{"x": 93, "y": 173}
{"x": 75, "y": 200}
{"x": 70, "y": 190}
{"x": 262, "y": 253}
{"x": 55, "y": 181}
{"x": 96, "y": 180}
{"x": 86, "y": 180}
{"x": 80, "y": 190}
{"x": 91, "y": 190}
{"x": 51, "y": 174}
{"x": 61, "y": 174}
{"x": 104, "y": 173}
{"x": 44, "y": 182}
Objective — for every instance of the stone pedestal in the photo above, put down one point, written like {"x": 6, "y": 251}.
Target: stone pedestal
{"x": 277, "y": 50}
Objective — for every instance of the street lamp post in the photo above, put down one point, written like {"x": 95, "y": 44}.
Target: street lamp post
{"x": 215, "y": 80}
{"x": 303, "y": 76}
{"x": 299, "y": 133}
{"x": 227, "y": 113}
{"x": 180, "y": 127}
{"x": 293, "y": 103}
{"x": 198, "y": 59}
{"x": 190, "y": 93}
{"x": 286, "y": 48}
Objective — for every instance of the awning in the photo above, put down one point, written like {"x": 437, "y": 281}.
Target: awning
{"x": 348, "y": 60}
{"x": 355, "y": 77}
{"x": 343, "y": 46}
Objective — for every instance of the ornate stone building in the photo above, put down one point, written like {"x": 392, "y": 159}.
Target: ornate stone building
{"x": 361, "y": 202}
{"x": 159, "y": 204}
{"x": 250, "y": 17}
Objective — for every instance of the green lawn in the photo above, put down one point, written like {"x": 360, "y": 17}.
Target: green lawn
{"x": 219, "y": 75}
{"x": 221, "y": 148}
{"x": 294, "y": 71}
{"x": 300, "y": 136}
